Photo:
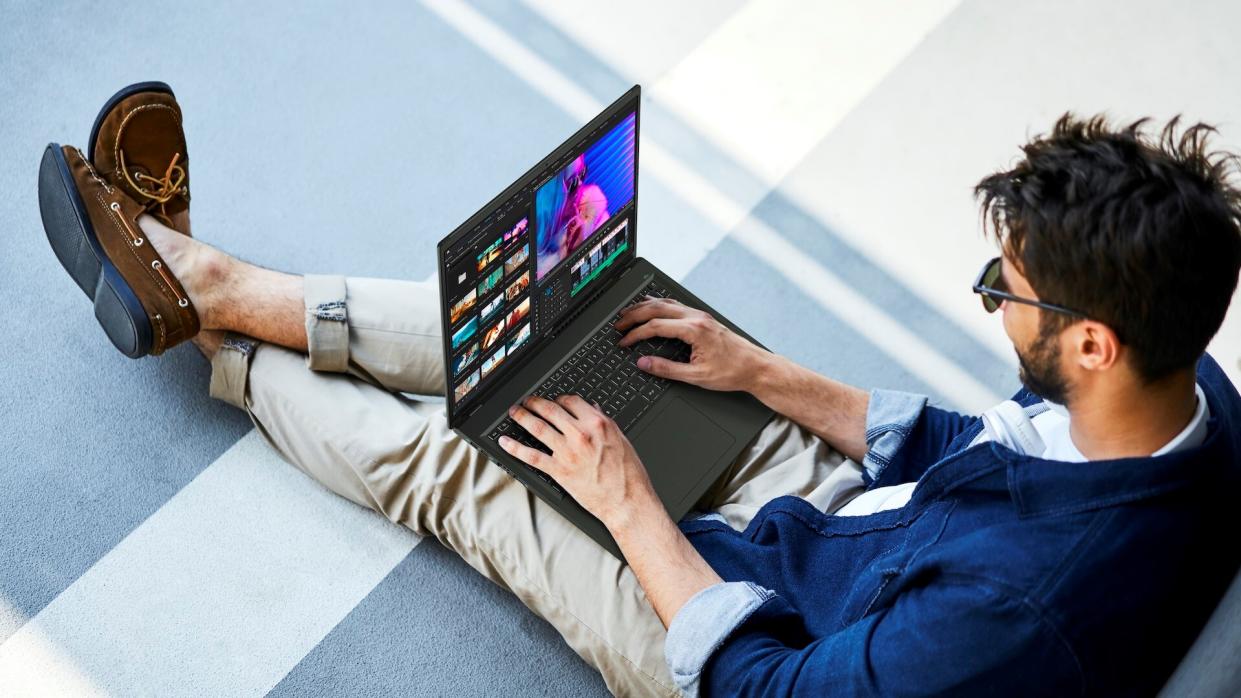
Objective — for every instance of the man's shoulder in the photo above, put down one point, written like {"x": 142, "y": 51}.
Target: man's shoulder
{"x": 1213, "y": 380}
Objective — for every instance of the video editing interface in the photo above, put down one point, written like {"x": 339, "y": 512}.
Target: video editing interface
{"x": 522, "y": 268}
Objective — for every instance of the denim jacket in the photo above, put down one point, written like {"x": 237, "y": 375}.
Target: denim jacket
{"x": 1004, "y": 574}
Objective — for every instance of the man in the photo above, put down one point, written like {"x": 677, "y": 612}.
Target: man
{"x": 866, "y": 542}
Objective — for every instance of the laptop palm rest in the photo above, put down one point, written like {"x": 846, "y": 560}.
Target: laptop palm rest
{"x": 679, "y": 446}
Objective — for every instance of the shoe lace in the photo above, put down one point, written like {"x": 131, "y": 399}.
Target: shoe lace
{"x": 161, "y": 190}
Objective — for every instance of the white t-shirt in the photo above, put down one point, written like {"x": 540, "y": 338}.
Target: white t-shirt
{"x": 1045, "y": 435}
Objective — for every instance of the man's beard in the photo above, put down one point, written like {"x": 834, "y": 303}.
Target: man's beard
{"x": 1040, "y": 369}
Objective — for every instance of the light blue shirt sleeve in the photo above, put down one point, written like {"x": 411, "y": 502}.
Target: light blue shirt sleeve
{"x": 890, "y": 418}
{"x": 702, "y": 625}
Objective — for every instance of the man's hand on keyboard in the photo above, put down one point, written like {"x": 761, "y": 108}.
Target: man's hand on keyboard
{"x": 721, "y": 359}
{"x": 591, "y": 458}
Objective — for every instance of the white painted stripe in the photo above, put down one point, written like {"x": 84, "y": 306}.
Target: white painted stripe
{"x": 872, "y": 322}
{"x": 221, "y": 592}
{"x": 779, "y": 75}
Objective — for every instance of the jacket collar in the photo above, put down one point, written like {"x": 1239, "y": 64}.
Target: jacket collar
{"x": 1043, "y": 487}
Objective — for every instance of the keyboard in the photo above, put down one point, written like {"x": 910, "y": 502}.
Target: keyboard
{"x": 604, "y": 373}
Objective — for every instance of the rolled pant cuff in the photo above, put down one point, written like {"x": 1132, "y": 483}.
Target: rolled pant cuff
{"x": 327, "y": 323}
{"x": 230, "y": 369}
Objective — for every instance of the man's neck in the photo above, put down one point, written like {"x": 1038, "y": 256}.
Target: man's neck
{"x": 1128, "y": 419}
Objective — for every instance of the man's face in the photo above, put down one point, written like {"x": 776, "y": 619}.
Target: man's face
{"x": 1038, "y": 351}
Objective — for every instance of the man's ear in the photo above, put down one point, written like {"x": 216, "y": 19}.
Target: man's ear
{"x": 1098, "y": 347}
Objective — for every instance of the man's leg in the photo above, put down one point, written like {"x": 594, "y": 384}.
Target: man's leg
{"x": 397, "y": 455}
{"x": 784, "y": 459}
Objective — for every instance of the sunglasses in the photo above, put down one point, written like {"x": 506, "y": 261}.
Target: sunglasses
{"x": 990, "y": 286}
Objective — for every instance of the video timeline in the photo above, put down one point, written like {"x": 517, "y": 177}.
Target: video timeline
{"x": 613, "y": 244}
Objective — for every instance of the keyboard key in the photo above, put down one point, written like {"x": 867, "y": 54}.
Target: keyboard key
{"x": 625, "y": 417}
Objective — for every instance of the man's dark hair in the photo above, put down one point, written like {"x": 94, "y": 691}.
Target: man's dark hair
{"x": 1142, "y": 234}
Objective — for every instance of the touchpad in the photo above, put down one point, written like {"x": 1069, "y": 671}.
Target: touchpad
{"x": 678, "y": 447}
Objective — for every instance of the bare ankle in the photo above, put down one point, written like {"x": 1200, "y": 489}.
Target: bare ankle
{"x": 214, "y": 276}
{"x": 208, "y": 342}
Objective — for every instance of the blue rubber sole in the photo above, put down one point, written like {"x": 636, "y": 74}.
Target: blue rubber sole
{"x": 149, "y": 86}
{"x": 73, "y": 239}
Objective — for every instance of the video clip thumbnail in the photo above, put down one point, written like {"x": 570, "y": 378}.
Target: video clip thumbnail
{"x": 518, "y": 230}
{"x": 492, "y": 361}
{"x": 519, "y": 338}
{"x": 465, "y": 386}
{"x": 515, "y": 289}
{"x": 461, "y": 307}
{"x": 489, "y": 281}
{"x": 492, "y": 334}
{"x": 491, "y": 308}
{"x": 465, "y": 359}
{"x": 462, "y": 335}
{"x": 516, "y": 261}
{"x": 519, "y": 313}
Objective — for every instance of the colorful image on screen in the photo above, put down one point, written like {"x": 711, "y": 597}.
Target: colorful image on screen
{"x": 492, "y": 361}
{"x": 491, "y": 308}
{"x": 518, "y": 258}
{"x": 489, "y": 255}
{"x": 519, "y": 313}
{"x": 461, "y": 307}
{"x": 465, "y": 359}
{"x": 489, "y": 281}
{"x": 514, "y": 289}
{"x": 518, "y": 230}
{"x": 519, "y": 338}
{"x": 465, "y": 386}
{"x": 463, "y": 335}
{"x": 492, "y": 334}
{"x": 581, "y": 197}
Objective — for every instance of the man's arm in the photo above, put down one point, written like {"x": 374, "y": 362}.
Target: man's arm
{"x": 834, "y": 411}
{"x": 723, "y": 360}
{"x": 596, "y": 464}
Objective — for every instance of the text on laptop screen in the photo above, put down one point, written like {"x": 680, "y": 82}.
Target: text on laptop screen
{"x": 522, "y": 268}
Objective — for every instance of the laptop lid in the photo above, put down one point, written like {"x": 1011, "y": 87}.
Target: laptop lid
{"x": 513, "y": 272}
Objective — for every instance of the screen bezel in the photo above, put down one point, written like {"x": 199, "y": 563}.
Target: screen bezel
{"x": 631, "y": 100}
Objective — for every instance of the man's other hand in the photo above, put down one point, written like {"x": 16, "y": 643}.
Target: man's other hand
{"x": 721, "y": 359}
{"x": 591, "y": 458}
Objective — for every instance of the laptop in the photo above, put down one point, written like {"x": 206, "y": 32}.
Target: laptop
{"x": 529, "y": 289}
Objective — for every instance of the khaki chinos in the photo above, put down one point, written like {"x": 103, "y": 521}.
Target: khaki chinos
{"x": 344, "y": 416}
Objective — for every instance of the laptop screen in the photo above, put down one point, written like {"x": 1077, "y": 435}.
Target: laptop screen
{"x": 531, "y": 255}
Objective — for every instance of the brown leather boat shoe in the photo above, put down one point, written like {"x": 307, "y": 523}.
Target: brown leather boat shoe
{"x": 93, "y": 229}
{"x": 138, "y": 145}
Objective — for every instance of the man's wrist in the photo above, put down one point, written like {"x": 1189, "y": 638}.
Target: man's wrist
{"x": 635, "y": 516}
{"x": 766, "y": 373}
